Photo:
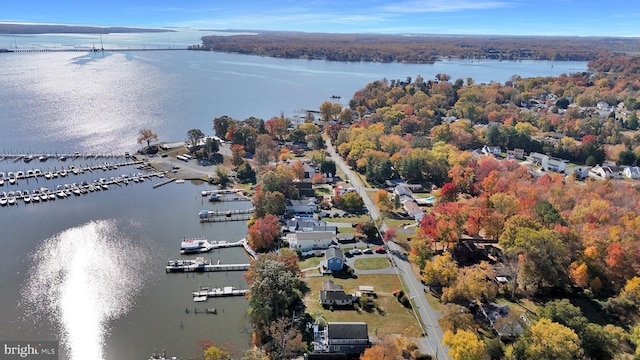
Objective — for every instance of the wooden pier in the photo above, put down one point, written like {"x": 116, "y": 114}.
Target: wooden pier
{"x": 201, "y": 265}
{"x": 239, "y": 217}
{"x": 204, "y": 292}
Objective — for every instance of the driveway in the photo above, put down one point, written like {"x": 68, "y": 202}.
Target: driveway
{"x": 414, "y": 288}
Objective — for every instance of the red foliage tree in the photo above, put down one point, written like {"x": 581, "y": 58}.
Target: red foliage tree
{"x": 449, "y": 193}
{"x": 264, "y": 232}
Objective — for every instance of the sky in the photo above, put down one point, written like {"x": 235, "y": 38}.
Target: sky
{"x": 465, "y": 17}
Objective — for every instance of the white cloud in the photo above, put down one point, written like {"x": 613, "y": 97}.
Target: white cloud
{"x": 426, "y": 6}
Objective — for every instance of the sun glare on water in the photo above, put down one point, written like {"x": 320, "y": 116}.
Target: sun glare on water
{"x": 83, "y": 278}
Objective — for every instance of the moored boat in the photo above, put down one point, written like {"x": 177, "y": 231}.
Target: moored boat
{"x": 195, "y": 245}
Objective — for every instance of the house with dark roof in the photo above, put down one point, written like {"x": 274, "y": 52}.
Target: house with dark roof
{"x": 333, "y": 294}
{"x": 342, "y": 337}
{"x": 334, "y": 259}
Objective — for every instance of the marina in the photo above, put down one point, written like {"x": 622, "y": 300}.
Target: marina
{"x": 199, "y": 264}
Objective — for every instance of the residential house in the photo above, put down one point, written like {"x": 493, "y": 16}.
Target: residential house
{"x": 538, "y": 159}
{"x": 403, "y": 190}
{"x": 334, "y": 258}
{"x": 515, "y": 154}
{"x": 333, "y": 294}
{"x": 491, "y": 150}
{"x": 305, "y": 188}
{"x": 304, "y": 206}
{"x": 631, "y": 172}
{"x": 308, "y": 224}
{"x": 310, "y": 240}
{"x": 555, "y": 164}
{"x": 602, "y": 172}
{"x": 412, "y": 209}
{"x": 342, "y": 337}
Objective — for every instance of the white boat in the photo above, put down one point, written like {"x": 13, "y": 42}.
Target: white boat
{"x": 105, "y": 187}
{"x": 63, "y": 173}
{"x": 19, "y": 174}
{"x": 1, "y": 182}
{"x": 27, "y": 198}
{"x": 43, "y": 157}
{"x": 3, "y": 201}
{"x": 48, "y": 175}
{"x": 11, "y": 200}
{"x": 12, "y": 181}
{"x": 35, "y": 198}
{"x": 37, "y": 172}
{"x": 61, "y": 194}
{"x": 51, "y": 196}
{"x": 76, "y": 191}
{"x": 1, "y": 175}
{"x": 195, "y": 246}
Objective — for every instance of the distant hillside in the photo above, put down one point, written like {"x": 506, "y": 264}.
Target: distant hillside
{"x": 20, "y": 29}
{"x": 417, "y": 48}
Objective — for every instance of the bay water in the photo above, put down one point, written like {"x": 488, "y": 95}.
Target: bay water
{"x": 88, "y": 270}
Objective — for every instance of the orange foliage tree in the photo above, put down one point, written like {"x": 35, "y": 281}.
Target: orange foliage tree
{"x": 264, "y": 232}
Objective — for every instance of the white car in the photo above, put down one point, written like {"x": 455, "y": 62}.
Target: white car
{"x": 355, "y": 252}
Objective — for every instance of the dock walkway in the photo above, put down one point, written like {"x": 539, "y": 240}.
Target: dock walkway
{"x": 201, "y": 265}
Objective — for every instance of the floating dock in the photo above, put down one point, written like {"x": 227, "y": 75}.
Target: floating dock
{"x": 199, "y": 264}
{"x": 203, "y": 293}
{"x": 218, "y": 192}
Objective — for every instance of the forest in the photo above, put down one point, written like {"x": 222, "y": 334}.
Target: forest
{"x": 567, "y": 248}
{"x": 8, "y": 28}
{"x": 418, "y": 49}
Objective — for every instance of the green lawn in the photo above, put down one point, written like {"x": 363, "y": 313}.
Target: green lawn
{"x": 352, "y": 220}
{"x": 310, "y": 262}
{"x": 371, "y": 263}
{"x": 398, "y": 223}
{"x": 390, "y": 318}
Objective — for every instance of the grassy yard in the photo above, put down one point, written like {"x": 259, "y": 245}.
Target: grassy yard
{"x": 323, "y": 190}
{"x": 310, "y": 262}
{"x": 390, "y": 318}
{"x": 352, "y": 219}
{"x": 371, "y": 263}
{"x": 398, "y": 223}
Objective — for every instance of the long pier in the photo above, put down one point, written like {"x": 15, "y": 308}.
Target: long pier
{"x": 203, "y": 293}
{"x": 201, "y": 265}
{"x": 238, "y": 217}
{"x": 87, "y": 50}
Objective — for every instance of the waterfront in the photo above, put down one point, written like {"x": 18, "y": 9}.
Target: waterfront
{"x": 67, "y": 102}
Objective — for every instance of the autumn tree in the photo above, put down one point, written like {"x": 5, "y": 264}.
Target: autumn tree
{"x": 382, "y": 201}
{"x": 277, "y": 127}
{"x": 264, "y": 232}
{"x": 268, "y": 202}
{"x": 472, "y": 283}
{"x": 237, "y": 154}
{"x": 329, "y": 111}
{"x": 147, "y": 135}
{"x": 456, "y": 317}
{"x": 464, "y": 345}
{"x": 280, "y": 179}
{"x": 216, "y": 353}
{"x": 245, "y": 173}
{"x": 286, "y": 339}
{"x": 385, "y": 348}
{"x": 222, "y": 125}
{"x": 441, "y": 271}
{"x": 548, "y": 340}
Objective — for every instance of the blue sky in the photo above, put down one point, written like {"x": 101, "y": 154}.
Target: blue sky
{"x": 500, "y": 17}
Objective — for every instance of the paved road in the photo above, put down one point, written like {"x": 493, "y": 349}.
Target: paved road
{"x": 414, "y": 287}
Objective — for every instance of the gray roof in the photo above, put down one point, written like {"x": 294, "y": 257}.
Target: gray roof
{"x": 329, "y": 285}
{"x": 348, "y": 330}
{"x": 314, "y": 235}
{"x": 334, "y": 253}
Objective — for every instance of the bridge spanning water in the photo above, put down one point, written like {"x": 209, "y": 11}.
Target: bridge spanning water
{"x": 49, "y": 50}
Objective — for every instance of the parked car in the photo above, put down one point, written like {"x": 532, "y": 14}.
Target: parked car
{"x": 380, "y": 250}
{"x": 355, "y": 252}
{"x": 367, "y": 251}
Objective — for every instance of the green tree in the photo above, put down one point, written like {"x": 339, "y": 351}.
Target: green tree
{"x": 548, "y": 214}
{"x": 632, "y": 121}
{"x": 548, "y": 340}
{"x": 245, "y": 173}
{"x": 194, "y": 136}
{"x": 351, "y": 201}
{"x": 274, "y": 289}
{"x": 268, "y": 202}
{"x": 222, "y": 125}
{"x": 327, "y": 166}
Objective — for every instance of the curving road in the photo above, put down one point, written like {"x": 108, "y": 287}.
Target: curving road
{"x": 414, "y": 288}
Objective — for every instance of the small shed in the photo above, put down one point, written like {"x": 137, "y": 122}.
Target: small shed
{"x": 335, "y": 259}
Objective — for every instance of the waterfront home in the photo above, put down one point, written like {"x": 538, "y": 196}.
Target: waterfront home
{"x": 515, "y": 154}
{"x": 304, "y": 206}
{"x": 308, "y": 224}
{"x": 333, "y": 294}
{"x": 548, "y": 163}
{"x": 310, "y": 240}
{"x": 631, "y": 172}
{"x": 334, "y": 259}
{"x": 342, "y": 337}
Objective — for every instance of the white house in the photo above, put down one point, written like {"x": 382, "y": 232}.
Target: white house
{"x": 602, "y": 172}
{"x": 311, "y": 240}
{"x": 305, "y": 206}
{"x": 412, "y": 208}
{"x": 631, "y": 172}
{"x": 491, "y": 150}
{"x": 555, "y": 164}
